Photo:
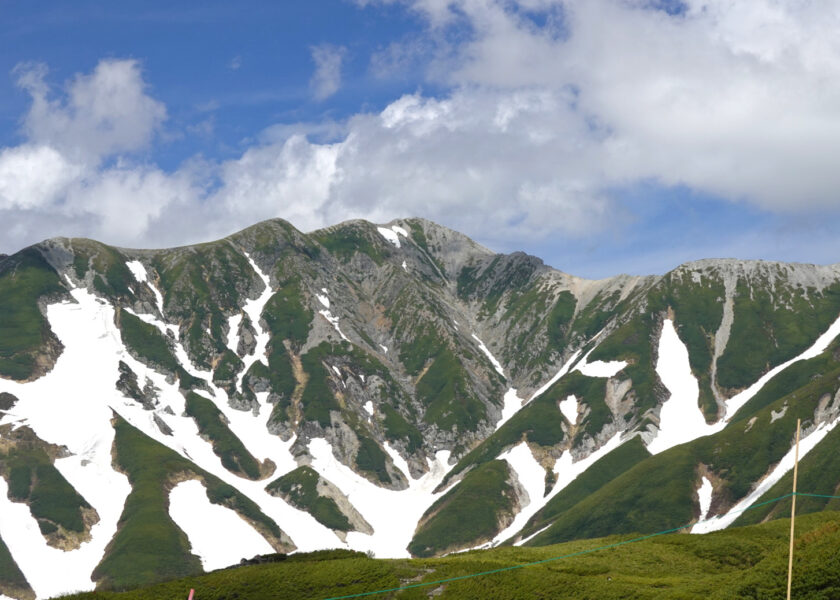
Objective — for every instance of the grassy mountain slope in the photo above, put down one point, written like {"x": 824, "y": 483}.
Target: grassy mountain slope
{"x": 746, "y": 563}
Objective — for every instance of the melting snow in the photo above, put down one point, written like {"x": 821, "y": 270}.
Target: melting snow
{"x": 334, "y": 322}
{"x": 206, "y": 524}
{"x": 324, "y": 300}
{"x": 569, "y": 408}
{"x": 404, "y": 266}
{"x": 384, "y": 348}
{"x": 680, "y": 419}
{"x": 389, "y": 235}
{"x": 737, "y": 401}
{"x": 531, "y": 476}
{"x": 704, "y": 497}
{"x": 58, "y": 413}
{"x": 369, "y": 407}
{"x": 532, "y": 536}
{"x": 393, "y": 527}
{"x": 511, "y": 406}
{"x": 233, "y": 331}
{"x": 254, "y": 309}
{"x": 393, "y": 234}
{"x": 496, "y": 364}
{"x": 779, "y": 471}
{"x": 599, "y": 368}
{"x": 93, "y": 348}
{"x": 566, "y": 471}
{"x": 138, "y": 270}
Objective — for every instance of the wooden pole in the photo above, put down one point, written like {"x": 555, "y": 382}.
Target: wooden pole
{"x": 793, "y": 508}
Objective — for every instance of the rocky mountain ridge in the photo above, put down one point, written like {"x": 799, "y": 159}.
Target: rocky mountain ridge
{"x": 308, "y": 381}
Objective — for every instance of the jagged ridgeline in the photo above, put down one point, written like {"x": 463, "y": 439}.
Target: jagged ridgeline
{"x": 396, "y": 389}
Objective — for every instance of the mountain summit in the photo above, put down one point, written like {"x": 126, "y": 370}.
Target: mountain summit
{"x": 391, "y": 388}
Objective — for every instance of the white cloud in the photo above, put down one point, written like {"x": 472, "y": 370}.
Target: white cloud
{"x": 104, "y": 113}
{"x": 733, "y": 98}
{"x": 33, "y": 176}
{"x": 327, "y": 77}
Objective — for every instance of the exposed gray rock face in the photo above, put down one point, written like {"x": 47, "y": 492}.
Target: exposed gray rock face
{"x": 7, "y": 401}
{"x": 164, "y": 428}
{"x": 247, "y": 337}
{"x": 129, "y": 386}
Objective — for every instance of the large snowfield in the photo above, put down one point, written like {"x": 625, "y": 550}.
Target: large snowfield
{"x": 73, "y": 406}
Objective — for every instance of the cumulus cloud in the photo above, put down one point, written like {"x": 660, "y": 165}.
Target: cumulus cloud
{"x": 102, "y": 113}
{"x": 738, "y": 99}
{"x": 327, "y": 77}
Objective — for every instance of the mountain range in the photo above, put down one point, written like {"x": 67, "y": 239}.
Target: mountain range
{"x": 396, "y": 389}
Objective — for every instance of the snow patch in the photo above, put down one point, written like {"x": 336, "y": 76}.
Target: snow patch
{"x": 599, "y": 368}
{"x": 233, "y": 331}
{"x": 206, "y": 524}
{"x": 369, "y": 407}
{"x": 512, "y": 404}
{"x": 138, "y": 270}
{"x": 400, "y": 230}
{"x": 324, "y": 300}
{"x": 390, "y": 235}
{"x": 254, "y": 309}
{"x": 334, "y": 322}
{"x": 404, "y": 266}
{"x": 566, "y": 471}
{"x": 496, "y": 364}
{"x": 680, "y": 419}
{"x": 531, "y": 476}
{"x": 393, "y": 529}
{"x": 384, "y": 348}
{"x": 704, "y": 497}
{"x": 569, "y": 408}
{"x": 524, "y": 541}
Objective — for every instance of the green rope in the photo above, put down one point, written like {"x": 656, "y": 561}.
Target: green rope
{"x": 816, "y": 495}
{"x": 547, "y": 560}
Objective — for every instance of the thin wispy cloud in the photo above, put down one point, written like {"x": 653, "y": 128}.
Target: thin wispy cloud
{"x": 326, "y": 80}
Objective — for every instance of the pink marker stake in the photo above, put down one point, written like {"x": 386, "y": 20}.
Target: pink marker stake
{"x": 192, "y": 592}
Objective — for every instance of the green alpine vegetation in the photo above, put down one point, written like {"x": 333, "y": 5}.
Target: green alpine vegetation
{"x": 660, "y": 491}
{"x": 299, "y": 488}
{"x": 229, "y": 448}
{"x": 150, "y": 346}
{"x": 770, "y": 328}
{"x": 111, "y": 276}
{"x": 27, "y": 345}
{"x": 603, "y": 471}
{"x": 468, "y": 514}
{"x": 201, "y": 285}
{"x": 748, "y": 563}
{"x": 61, "y": 512}
{"x": 541, "y": 422}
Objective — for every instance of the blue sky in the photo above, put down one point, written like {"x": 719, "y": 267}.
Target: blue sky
{"x": 604, "y": 136}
